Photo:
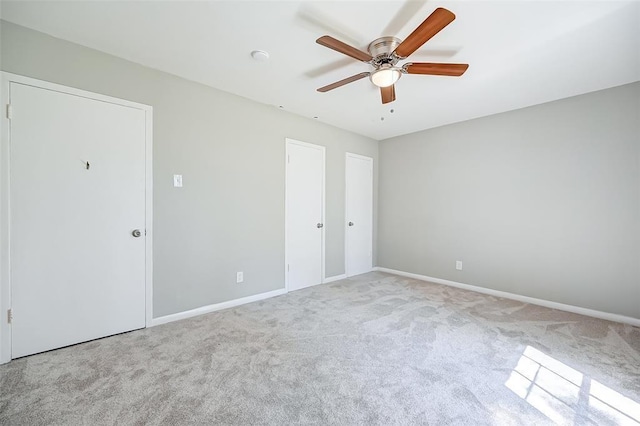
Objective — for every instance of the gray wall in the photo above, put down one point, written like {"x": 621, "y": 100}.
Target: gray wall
{"x": 542, "y": 201}
{"x": 229, "y": 216}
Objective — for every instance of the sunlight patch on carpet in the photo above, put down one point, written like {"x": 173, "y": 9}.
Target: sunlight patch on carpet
{"x": 561, "y": 392}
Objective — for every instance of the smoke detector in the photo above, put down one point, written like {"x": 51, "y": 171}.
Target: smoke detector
{"x": 260, "y": 55}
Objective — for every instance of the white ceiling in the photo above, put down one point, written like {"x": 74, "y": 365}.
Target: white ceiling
{"x": 520, "y": 53}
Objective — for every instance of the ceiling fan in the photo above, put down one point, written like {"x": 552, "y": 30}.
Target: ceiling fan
{"x": 385, "y": 53}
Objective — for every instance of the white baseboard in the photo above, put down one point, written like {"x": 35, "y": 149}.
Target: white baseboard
{"x": 526, "y": 299}
{"x": 216, "y": 307}
{"x": 334, "y": 278}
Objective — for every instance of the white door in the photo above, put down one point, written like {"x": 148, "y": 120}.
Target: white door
{"x": 77, "y": 193}
{"x": 359, "y": 214}
{"x": 304, "y": 225}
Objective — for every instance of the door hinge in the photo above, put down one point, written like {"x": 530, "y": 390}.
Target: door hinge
{"x": 9, "y": 111}
{"x": 288, "y": 159}
{"x": 288, "y": 267}
{"x": 9, "y": 316}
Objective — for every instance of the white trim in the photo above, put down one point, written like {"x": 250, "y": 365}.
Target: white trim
{"x": 5, "y": 283}
{"x": 346, "y": 210}
{"x": 334, "y": 278}
{"x": 148, "y": 195}
{"x": 289, "y": 141}
{"x": 216, "y": 307}
{"x": 526, "y": 299}
{"x": 28, "y": 81}
{"x": 5, "y": 287}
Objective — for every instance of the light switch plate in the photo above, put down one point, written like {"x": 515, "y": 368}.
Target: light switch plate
{"x": 177, "y": 181}
{"x": 239, "y": 277}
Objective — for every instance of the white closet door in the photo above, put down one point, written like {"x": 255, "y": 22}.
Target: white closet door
{"x": 304, "y": 214}
{"x": 359, "y": 214}
{"x": 77, "y": 194}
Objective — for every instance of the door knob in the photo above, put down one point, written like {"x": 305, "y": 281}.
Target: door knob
{"x": 320, "y": 225}
{"x": 350, "y": 223}
{"x": 136, "y": 233}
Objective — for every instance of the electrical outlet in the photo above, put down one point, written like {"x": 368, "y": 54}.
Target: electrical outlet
{"x": 177, "y": 181}
{"x": 459, "y": 265}
{"x": 239, "y": 277}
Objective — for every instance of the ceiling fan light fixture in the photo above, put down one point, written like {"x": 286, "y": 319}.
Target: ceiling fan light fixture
{"x": 385, "y": 76}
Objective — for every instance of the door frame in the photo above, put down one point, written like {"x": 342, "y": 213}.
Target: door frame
{"x": 5, "y": 188}
{"x": 346, "y": 209}
{"x": 289, "y": 142}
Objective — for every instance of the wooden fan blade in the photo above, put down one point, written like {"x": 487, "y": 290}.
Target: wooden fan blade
{"x": 338, "y": 46}
{"x": 388, "y": 94}
{"x": 343, "y": 82}
{"x": 454, "y": 70}
{"x": 431, "y": 26}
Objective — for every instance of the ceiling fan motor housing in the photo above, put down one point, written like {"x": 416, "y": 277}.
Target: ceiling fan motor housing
{"x": 381, "y": 50}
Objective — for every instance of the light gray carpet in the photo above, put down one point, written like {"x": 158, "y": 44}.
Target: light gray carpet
{"x": 377, "y": 349}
